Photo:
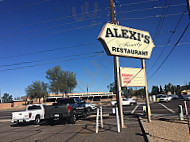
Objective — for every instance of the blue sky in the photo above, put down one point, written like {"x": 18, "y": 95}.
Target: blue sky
{"x": 30, "y": 26}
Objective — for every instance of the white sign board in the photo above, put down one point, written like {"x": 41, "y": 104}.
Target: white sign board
{"x": 127, "y": 42}
{"x": 132, "y": 77}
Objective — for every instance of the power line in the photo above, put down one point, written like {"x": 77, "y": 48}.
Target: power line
{"x": 48, "y": 59}
{"x": 159, "y": 26}
{"x": 167, "y": 42}
{"x": 55, "y": 26}
{"x": 154, "y": 16}
{"x": 32, "y": 4}
{"x": 171, "y": 50}
{"x": 44, "y": 21}
{"x": 10, "y": 69}
{"x": 89, "y": 26}
{"x": 151, "y": 8}
{"x": 65, "y": 17}
{"x": 139, "y": 2}
{"x": 84, "y": 20}
{"x": 183, "y": 43}
{"x": 48, "y": 50}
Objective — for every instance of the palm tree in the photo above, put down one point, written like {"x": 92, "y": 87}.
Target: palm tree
{"x": 37, "y": 90}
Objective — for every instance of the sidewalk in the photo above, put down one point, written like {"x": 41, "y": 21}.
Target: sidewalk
{"x": 131, "y": 133}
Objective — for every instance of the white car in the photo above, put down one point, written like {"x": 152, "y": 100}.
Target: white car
{"x": 34, "y": 113}
{"x": 165, "y": 98}
{"x": 90, "y": 107}
{"x": 125, "y": 102}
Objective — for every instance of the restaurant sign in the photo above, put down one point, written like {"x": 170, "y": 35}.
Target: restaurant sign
{"x": 124, "y": 41}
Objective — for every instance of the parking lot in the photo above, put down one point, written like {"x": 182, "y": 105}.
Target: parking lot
{"x": 84, "y": 129}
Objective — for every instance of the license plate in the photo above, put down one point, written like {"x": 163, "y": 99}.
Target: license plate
{"x": 56, "y": 115}
{"x": 20, "y": 120}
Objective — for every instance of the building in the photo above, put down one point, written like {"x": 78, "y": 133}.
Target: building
{"x": 95, "y": 96}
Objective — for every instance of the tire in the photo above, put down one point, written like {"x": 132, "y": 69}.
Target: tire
{"x": 50, "y": 121}
{"x": 37, "y": 120}
{"x": 88, "y": 110}
{"x": 73, "y": 118}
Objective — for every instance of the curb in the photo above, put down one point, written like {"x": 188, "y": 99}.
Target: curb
{"x": 148, "y": 138}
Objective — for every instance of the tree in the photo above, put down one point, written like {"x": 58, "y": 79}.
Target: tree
{"x": 37, "y": 90}
{"x": 155, "y": 90}
{"x": 7, "y": 98}
{"x": 61, "y": 81}
{"x": 178, "y": 89}
{"x": 161, "y": 90}
{"x": 112, "y": 87}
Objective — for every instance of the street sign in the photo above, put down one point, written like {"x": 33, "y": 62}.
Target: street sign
{"x": 132, "y": 77}
{"x": 124, "y": 41}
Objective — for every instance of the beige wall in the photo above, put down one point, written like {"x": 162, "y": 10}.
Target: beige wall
{"x": 15, "y": 105}
{"x": 5, "y": 106}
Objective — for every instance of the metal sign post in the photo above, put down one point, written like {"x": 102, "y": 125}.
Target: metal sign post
{"x": 187, "y": 115}
{"x": 97, "y": 120}
{"x": 118, "y": 89}
{"x": 146, "y": 92}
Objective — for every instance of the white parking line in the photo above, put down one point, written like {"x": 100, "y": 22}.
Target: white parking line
{"x": 167, "y": 108}
{"x": 134, "y": 109}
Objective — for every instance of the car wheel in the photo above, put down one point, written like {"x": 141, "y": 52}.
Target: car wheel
{"x": 131, "y": 104}
{"x": 88, "y": 110}
{"x": 37, "y": 120}
{"x": 73, "y": 118}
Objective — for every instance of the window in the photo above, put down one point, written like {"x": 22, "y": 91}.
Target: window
{"x": 34, "y": 107}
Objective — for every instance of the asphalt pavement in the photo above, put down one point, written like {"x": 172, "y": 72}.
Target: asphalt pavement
{"x": 84, "y": 129}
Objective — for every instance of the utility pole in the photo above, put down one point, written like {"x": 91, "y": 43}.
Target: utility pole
{"x": 146, "y": 92}
{"x": 188, "y": 6}
{"x": 116, "y": 73}
{"x": 0, "y": 96}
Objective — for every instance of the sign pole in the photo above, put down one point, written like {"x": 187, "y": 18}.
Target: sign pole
{"x": 146, "y": 92}
{"x": 188, "y": 6}
{"x": 118, "y": 89}
{"x": 116, "y": 73}
{"x": 187, "y": 115}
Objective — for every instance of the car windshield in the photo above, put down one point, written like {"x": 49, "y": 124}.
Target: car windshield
{"x": 50, "y": 100}
{"x": 62, "y": 101}
{"x": 78, "y": 100}
{"x": 124, "y": 99}
{"x": 34, "y": 107}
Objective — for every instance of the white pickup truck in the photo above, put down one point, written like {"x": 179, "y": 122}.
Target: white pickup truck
{"x": 33, "y": 113}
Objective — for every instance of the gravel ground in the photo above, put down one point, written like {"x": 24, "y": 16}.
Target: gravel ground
{"x": 167, "y": 130}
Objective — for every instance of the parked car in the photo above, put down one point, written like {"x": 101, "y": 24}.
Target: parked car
{"x": 165, "y": 98}
{"x": 187, "y": 97}
{"x": 33, "y": 113}
{"x": 175, "y": 96}
{"x": 66, "y": 108}
{"x": 125, "y": 101}
{"x": 90, "y": 107}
